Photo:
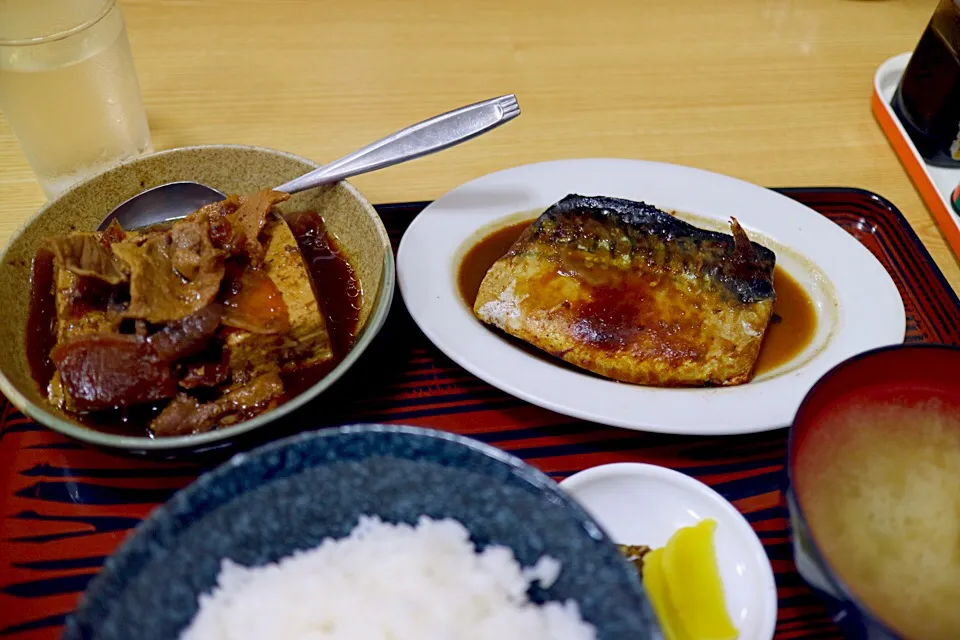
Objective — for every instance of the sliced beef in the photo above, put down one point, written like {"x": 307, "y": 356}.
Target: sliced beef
{"x": 159, "y": 290}
{"x": 192, "y": 250}
{"x": 216, "y": 216}
{"x": 205, "y": 374}
{"x": 253, "y": 302}
{"x": 113, "y": 233}
{"x": 254, "y": 396}
{"x": 185, "y": 415}
{"x": 85, "y": 254}
{"x": 219, "y": 209}
{"x": 242, "y": 227}
{"x": 104, "y": 371}
{"x": 187, "y": 336}
{"x": 235, "y": 222}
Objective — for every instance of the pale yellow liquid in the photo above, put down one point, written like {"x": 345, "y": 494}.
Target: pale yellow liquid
{"x": 73, "y": 103}
{"x": 881, "y": 493}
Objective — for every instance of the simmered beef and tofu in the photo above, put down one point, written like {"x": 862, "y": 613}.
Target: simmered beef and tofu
{"x": 198, "y": 320}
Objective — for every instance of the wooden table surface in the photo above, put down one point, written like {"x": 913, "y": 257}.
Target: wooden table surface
{"x": 771, "y": 91}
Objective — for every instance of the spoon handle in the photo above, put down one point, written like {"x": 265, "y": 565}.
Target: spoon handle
{"x": 429, "y": 136}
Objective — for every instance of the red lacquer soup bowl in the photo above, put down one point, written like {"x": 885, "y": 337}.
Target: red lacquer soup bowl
{"x": 874, "y": 497}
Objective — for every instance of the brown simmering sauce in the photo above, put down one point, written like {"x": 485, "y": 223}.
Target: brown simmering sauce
{"x": 335, "y": 282}
{"x": 793, "y": 324}
{"x": 791, "y": 329}
{"x": 338, "y": 291}
{"x": 481, "y": 256}
{"x": 41, "y": 319}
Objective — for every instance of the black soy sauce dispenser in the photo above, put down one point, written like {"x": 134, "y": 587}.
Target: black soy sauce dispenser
{"x": 927, "y": 100}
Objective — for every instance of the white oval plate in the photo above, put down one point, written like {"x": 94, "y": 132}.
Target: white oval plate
{"x": 858, "y": 305}
{"x": 645, "y": 504}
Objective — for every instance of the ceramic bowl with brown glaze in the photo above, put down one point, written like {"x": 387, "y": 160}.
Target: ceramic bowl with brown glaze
{"x": 231, "y": 169}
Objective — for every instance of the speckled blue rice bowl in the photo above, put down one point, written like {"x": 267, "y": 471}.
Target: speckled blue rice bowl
{"x": 291, "y": 494}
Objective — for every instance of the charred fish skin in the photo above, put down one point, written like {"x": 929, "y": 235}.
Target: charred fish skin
{"x": 630, "y": 292}
{"x": 644, "y": 232}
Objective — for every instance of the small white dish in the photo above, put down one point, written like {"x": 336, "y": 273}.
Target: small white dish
{"x": 645, "y": 504}
{"x": 858, "y": 305}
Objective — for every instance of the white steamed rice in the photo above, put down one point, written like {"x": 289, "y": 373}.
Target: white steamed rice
{"x": 387, "y": 581}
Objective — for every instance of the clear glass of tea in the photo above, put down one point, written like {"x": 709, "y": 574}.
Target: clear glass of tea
{"x": 68, "y": 88}
{"x": 927, "y": 100}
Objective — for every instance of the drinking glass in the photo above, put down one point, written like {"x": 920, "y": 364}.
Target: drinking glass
{"x": 68, "y": 88}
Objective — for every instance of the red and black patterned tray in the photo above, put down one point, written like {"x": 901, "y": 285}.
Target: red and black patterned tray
{"x": 65, "y": 507}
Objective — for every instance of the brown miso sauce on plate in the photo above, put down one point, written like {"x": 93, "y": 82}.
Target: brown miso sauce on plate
{"x": 791, "y": 329}
{"x": 333, "y": 277}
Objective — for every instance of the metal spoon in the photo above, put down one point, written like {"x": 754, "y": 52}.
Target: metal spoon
{"x": 175, "y": 200}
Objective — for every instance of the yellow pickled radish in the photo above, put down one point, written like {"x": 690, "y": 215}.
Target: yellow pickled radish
{"x": 689, "y": 569}
{"x": 656, "y": 588}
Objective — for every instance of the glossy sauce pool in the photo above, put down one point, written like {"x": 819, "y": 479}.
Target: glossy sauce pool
{"x": 338, "y": 290}
{"x": 791, "y": 329}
